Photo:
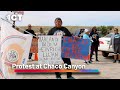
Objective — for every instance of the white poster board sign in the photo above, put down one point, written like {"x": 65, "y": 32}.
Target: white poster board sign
{"x": 49, "y": 50}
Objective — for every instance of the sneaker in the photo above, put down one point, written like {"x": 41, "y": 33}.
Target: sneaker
{"x": 71, "y": 77}
{"x": 97, "y": 60}
{"x": 114, "y": 61}
{"x": 58, "y": 78}
{"x": 90, "y": 61}
{"x": 86, "y": 62}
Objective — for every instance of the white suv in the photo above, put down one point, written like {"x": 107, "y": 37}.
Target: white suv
{"x": 104, "y": 45}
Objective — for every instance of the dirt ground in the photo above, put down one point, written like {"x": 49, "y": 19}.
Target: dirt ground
{"x": 108, "y": 70}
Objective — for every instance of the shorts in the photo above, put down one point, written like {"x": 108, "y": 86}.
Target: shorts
{"x": 117, "y": 49}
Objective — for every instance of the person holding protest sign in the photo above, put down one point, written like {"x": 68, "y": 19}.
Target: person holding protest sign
{"x": 29, "y": 30}
{"x": 115, "y": 42}
{"x": 95, "y": 43}
{"x": 86, "y": 36}
{"x": 79, "y": 33}
{"x": 63, "y": 31}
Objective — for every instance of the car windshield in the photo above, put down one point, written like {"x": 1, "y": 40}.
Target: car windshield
{"x": 109, "y": 35}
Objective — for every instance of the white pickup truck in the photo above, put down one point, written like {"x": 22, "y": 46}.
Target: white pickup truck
{"x": 104, "y": 45}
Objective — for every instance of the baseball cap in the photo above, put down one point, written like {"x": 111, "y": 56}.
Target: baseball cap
{"x": 86, "y": 30}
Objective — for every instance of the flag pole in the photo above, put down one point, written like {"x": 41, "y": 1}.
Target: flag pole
{"x": 13, "y": 22}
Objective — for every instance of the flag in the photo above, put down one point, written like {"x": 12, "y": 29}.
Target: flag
{"x": 15, "y": 48}
{"x": 1, "y": 74}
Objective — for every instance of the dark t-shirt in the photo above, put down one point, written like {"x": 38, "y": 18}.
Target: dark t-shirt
{"x": 64, "y": 31}
{"x": 95, "y": 40}
{"x": 117, "y": 39}
{"x": 61, "y": 31}
{"x": 30, "y": 31}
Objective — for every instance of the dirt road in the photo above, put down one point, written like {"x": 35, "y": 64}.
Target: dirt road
{"x": 108, "y": 70}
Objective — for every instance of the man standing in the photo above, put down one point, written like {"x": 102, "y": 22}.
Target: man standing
{"x": 95, "y": 43}
{"x": 30, "y": 31}
{"x": 60, "y": 30}
{"x": 115, "y": 42}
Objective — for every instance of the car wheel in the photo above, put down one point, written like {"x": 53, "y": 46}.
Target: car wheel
{"x": 105, "y": 54}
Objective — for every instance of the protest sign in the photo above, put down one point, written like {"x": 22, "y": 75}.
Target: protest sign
{"x": 77, "y": 49}
{"x": 49, "y": 49}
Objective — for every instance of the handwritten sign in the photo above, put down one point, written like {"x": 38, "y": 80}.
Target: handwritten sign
{"x": 34, "y": 46}
{"x": 49, "y": 49}
{"x": 77, "y": 49}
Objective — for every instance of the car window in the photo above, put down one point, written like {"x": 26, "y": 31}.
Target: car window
{"x": 109, "y": 35}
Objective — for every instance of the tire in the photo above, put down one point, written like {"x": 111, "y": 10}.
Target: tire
{"x": 105, "y": 54}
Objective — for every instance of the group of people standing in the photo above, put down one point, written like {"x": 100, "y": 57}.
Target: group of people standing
{"x": 90, "y": 34}
{"x": 93, "y": 36}
{"x": 58, "y": 28}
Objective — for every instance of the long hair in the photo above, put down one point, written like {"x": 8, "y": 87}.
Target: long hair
{"x": 93, "y": 29}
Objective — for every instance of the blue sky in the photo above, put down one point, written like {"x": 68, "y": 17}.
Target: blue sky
{"x": 70, "y": 18}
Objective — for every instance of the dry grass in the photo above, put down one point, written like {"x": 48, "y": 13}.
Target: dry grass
{"x": 72, "y": 29}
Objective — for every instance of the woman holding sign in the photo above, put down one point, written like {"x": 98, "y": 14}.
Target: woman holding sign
{"x": 60, "y": 30}
{"x": 95, "y": 43}
{"x": 86, "y": 36}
